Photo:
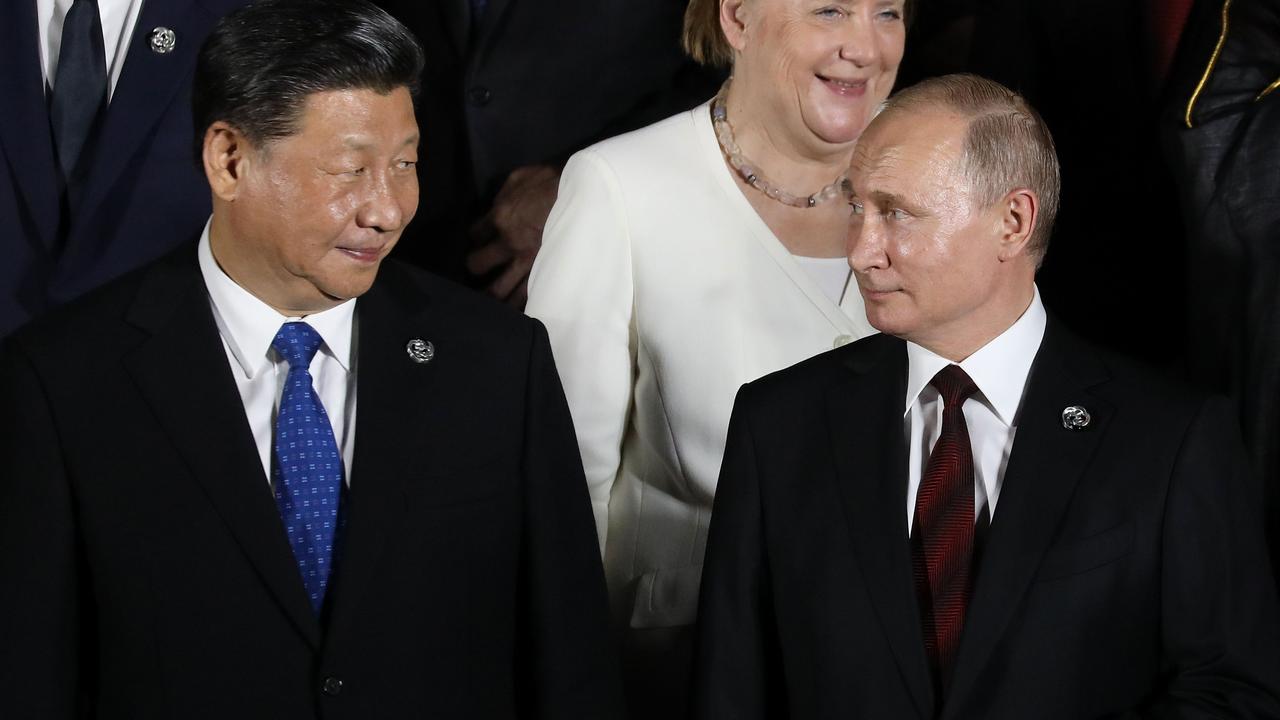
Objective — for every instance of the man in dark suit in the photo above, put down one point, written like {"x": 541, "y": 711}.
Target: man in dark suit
{"x": 129, "y": 193}
{"x": 195, "y": 522}
{"x": 511, "y": 89}
{"x": 977, "y": 514}
{"x": 1220, "y": 135}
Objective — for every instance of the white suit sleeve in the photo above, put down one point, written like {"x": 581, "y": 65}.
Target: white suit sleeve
{"x": 581, "y": 289}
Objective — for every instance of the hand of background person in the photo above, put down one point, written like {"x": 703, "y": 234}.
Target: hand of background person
{"x": 506, "y": 240}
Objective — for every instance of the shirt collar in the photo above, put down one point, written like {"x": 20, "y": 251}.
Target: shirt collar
{"x": 999, "y": 368}
{"x": 248, "y": 325}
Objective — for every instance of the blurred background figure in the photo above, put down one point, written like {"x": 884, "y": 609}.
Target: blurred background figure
{"x": 1096, "y": 70}
{"x": 689, "y": 257}
{"x": 97, "y": 175}
{"x": 1222, "y": 141}
{"x": 511, "y": 89}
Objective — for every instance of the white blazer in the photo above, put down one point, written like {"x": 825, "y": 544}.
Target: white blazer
{"x": 663, "y": 292}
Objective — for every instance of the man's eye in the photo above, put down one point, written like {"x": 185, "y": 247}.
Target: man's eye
{"x": 896, "y": 214}
{"x": 406, "y": 164}
{"x": 829, "y": 12}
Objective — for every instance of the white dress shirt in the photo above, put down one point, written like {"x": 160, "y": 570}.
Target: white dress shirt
{"x": 999, "y": 369}
{"x": 119, "y": 18}
{"x": 248, "y": 325}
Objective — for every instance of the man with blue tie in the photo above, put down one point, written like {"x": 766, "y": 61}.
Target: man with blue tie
{"x": 273, "y": 475}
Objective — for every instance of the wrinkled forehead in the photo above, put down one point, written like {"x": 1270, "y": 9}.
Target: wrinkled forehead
{"x": 903, "y": 152}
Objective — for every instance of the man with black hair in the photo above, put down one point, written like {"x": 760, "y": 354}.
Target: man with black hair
{"x": 196, "y": 522}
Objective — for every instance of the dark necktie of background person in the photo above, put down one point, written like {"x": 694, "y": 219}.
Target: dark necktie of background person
{"x": 80, "y": 85}
{"x": 307, "y": 468}
{"x": 942, "y": 536}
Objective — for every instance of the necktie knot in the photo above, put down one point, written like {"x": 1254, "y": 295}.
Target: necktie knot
{"x": 954, "y": 385}
{"x": 297, "y": 342}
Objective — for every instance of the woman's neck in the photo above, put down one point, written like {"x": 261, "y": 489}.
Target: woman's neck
{"x": 790, "y": 156}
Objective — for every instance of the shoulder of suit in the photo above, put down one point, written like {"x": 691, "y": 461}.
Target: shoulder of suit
{"x": 453, "y": 302}
{"x": 90, "y": 325}
{"x": 801, "y": 382}
{"x": 1133, "y": 387}
{"x": 668, "y": 143}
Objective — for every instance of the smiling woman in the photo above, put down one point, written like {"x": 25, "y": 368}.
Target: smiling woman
{"x": 694, "y": 255}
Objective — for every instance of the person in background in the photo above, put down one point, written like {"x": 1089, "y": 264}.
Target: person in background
{"x": 689, "y": 257}
{"x": 1219, "y": 137}
{"x": 977, "y": 513}
{"x": 96, "y": 176}
{"x": 511, "y": 89}
{"x": 276, "y": 475}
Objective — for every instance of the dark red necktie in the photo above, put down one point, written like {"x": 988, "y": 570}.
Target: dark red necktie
{"x": 942, "y": 531}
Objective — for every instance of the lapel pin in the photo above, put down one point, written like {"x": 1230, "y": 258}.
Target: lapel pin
{"x": 1076, "y": 418}
{"x": 420, "y": 351}
{"x": 163, "y": 40}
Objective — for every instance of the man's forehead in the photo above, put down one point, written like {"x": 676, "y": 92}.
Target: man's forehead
{"x": 906, "y": 147}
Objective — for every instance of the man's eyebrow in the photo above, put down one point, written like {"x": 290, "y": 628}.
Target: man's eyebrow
{"x": 883, "y": 198}
{"x": 356, "y": 142}
{"x": 887, "y": 199}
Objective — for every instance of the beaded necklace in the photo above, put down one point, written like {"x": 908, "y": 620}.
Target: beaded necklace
{"x": 752, "y": 175}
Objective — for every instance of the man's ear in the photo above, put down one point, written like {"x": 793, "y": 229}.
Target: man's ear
{"x": 732, "y": 23}
{"x": 226, "y": 157}
{"x": 1019, "y": 211}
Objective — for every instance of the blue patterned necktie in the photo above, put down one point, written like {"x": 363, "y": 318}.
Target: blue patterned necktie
{"x": 307, "y": 467}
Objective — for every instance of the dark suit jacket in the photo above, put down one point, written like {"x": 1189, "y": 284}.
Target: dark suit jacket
{"x": 143, "y": 193}
{"x": 1123, "y": 574}
{"x": 145, "y": 573}
{"x": 531, "y": 83}
{"x": 1227, "y": 164}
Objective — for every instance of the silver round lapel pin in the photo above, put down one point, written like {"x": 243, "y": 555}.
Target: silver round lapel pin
{"x": 420, "y": 351}
{"x": 163, "y": 40}
{"x": 1076, "y": 418}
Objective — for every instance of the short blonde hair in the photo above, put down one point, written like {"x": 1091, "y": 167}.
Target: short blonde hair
{"x": 704, "y": 40}
{"x": 1007, "y": 144}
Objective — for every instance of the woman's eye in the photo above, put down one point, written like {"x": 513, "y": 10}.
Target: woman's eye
{"x": 856, "y": 207}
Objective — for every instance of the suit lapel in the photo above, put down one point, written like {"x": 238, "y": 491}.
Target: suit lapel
{"x": 871, "y": 463}
{"x": 455, "y": 18}
{"x": 149, "y": 83}
{"x": 1046, "y": 463}
{"x": 490, "y": 26}
{"x": 24, "y": 119}
{"x": 183, "y": 374}
{"x": 392, "y": 437}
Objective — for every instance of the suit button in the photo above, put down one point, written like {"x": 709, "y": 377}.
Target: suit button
{"x": 331, "y": 686}
{"x": 841, "y": 341}
{"x": 480, "y": 96}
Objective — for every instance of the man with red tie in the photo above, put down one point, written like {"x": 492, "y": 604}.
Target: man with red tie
{"x": 977, "y": 514}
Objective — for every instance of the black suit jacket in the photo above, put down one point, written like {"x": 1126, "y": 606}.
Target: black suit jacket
{"x": 1123, "y": 573}
{"x": 143, "y": 193}
{"x": 145, "y": 573}
{"x": 1220, "y": 142}
{"x": 530, "y": 83}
